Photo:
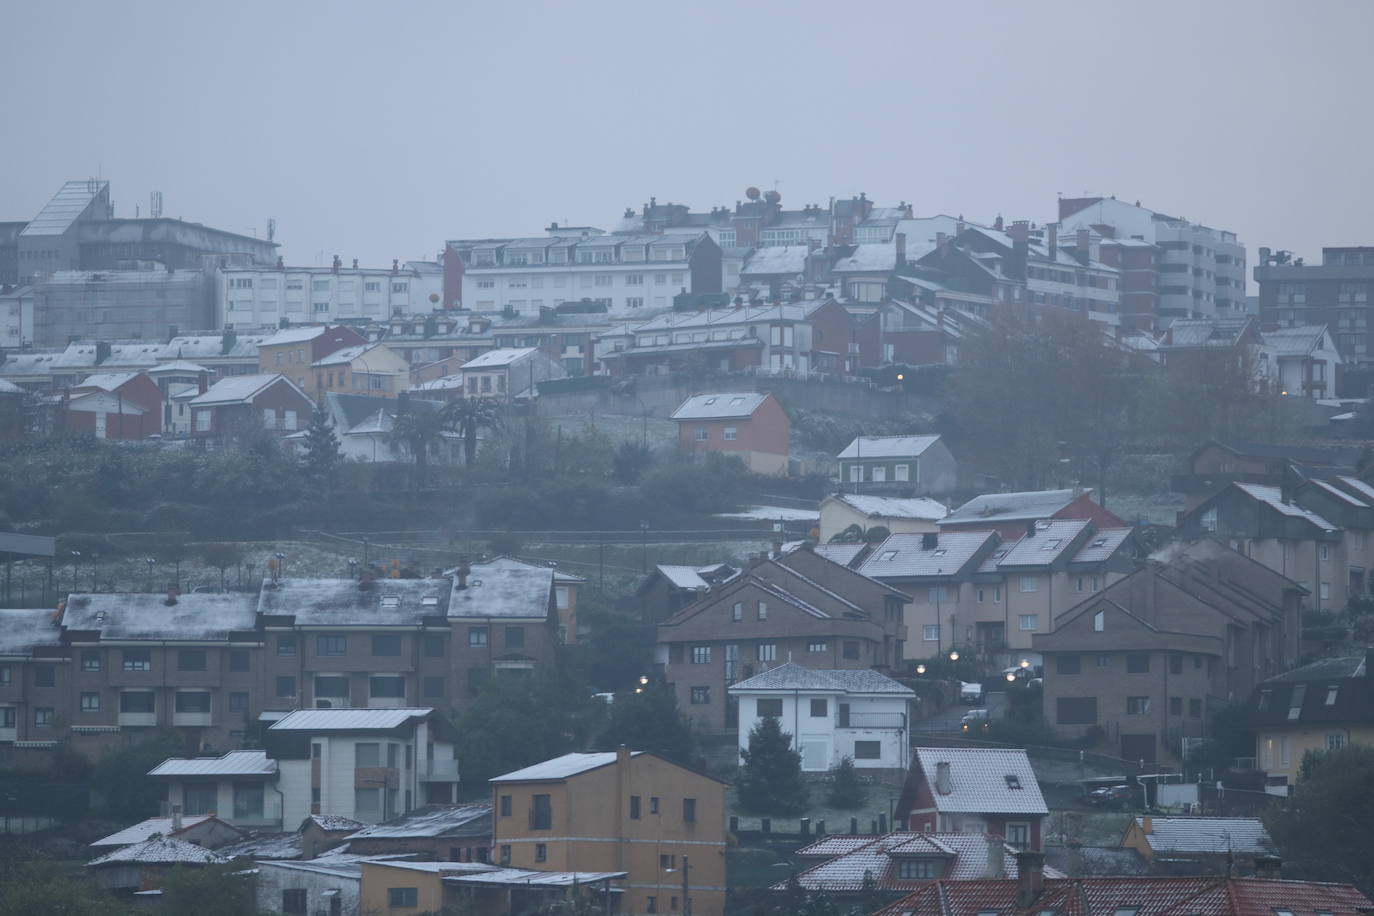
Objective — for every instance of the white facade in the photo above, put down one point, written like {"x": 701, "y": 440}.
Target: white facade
{"x": 252, "y": 297}
{"x": 16, "y": 317}
{"x": 328, "y": 886}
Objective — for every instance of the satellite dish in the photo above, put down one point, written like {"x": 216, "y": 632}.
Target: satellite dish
{"x": 751, "y": 192}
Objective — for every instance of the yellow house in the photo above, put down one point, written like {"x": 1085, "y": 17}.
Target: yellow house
{"x": 407, "y": 888}
{"x": 366, "y": 369}
{"x": 661, "y": 823}
{"x": 1319, "y": 707}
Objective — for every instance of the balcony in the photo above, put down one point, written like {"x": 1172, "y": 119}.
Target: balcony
{"x": 893, "y": 720}
{"x": 438, "y": 771}
{"x": 181, "y": 718}
{"x": 138, "y": 719}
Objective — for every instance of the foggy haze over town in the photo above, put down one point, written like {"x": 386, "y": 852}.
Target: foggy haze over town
{"x": 754, "y": 459}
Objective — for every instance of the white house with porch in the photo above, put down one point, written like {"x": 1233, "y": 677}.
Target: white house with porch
{"x": 831, "y": 714}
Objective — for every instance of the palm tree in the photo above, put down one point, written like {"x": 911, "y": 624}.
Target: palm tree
{"x": 417, "y": 432}
{"x": 467, "y": 414}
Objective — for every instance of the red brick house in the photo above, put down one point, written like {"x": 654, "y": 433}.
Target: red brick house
{"x": 114, "y": 405}
{"x": 242, "y": 402}
{"x": 974, "y": 790}
{"x": 745, "y": 423}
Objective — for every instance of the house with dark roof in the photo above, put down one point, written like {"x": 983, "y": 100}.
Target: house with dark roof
{"x": 1215, "y": 465}
{"x": 1323, "y": 706}
{"x": 748, "y": 424}
{"x": 830, "y": 714}
{"x": 1009, "y": 513}
{"x": 669, "y": 588}
{"x": 974, "y": 790}
{"x": 439, "y": 833}
{"x": 798, "y": 607}
{"x": 916, "y": 465}
{"x": 1035, "y": 893}
{"x": 1144, "y": 662}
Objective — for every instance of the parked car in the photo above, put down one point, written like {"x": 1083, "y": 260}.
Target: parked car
{"x": 975, "y": 720}
{"x": 970, "y": 692}
{"x": 1110, "y": 797}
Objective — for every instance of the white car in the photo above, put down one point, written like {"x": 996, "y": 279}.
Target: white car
{"x": 971, "y": 693}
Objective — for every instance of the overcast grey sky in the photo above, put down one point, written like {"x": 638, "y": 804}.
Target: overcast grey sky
{"x": 378, "y": 130}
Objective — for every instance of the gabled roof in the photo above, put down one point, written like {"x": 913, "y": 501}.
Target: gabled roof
{"x": 791, "y": 676}
{"x": 1294, "y": 342}
{"x": 561, "y": 767}
{"x": 1102, "y": 545}
{"x": 234, "y": 763}
{"x": 266, "y": 846}
{"x": 240, "y": 389}
{"x": 345, "y": 601}
{"x": 160, "y": 850}
{"x": 432, "y": 821}
{"x": 154, "y": 826}
{"x": 907, "y": 555}
{"x": 872, "y": 257}
{"x": 1011, "y": 507}
{"x": 1216, "y": 835}
{"x": 293, "y": 335}
{"x": 349, "y": 720}
{"x": 965, "y": 857}
{"x": 844, "y": 554}
{"x": 888, "y": 447}
{"x": 722, "y": 406}
{"x": 981, "y": 780}
{"x": 505, "y": 562}
{"x": 1051, "y": 541}
{"x": 1273, "y": 498}
{"x": 776, "y": 260}
{"x": 332, "y": 823}
{"x": 108, "y": 381}
{"x": 496, "y": 359}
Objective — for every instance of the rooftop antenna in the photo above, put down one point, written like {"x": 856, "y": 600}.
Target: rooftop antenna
{"x": 271, "y": 229}
{"x": 155, "y": 205}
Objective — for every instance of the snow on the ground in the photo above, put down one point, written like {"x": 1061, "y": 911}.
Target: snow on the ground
{"x": 775, "y": 512}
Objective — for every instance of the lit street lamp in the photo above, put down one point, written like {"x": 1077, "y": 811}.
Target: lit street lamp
{"x": 76, "y": 569}
{"x": 954, "y": 656}
{"x": 150, "y": 561}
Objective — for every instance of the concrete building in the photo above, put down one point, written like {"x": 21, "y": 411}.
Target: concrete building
{"x": 261, "y": 295}
{"x": 626, "y": 811}
{"x": 146, "y": 303}
{"x": 1200, "y": 271}
{"x": 830, "y": 714}
{"x": 16, "y": 316}
{"x": 1338, "y": 293}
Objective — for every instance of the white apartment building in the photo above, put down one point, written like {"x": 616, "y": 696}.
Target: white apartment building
{"x": 628, "y": 274}
{"x": 16, "y": 317}
{"x": 252, "y": 297}
{"x": 1201, "y": 270}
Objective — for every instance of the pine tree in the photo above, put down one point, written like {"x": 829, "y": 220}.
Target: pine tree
{"x": 322, "y": 454}
{"x": 771, "y": 781}
{"x": 846, "y": 790}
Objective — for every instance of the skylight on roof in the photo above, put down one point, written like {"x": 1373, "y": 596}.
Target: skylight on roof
{"x": 1053, "y": 544}
{"x": 709, "y": 401}
{"x": 1100, "y": 542}
{"x": 1042, "y": 524}
{"x": 391, "y": 602}
{"x": 888, "y": 555}
{"x": 939, "y": 552}
{"x": 1331, "y": 693}
{"x": 1013, "y": 781}
{"x": 1133, "y": 910}
{"x": 429, "y": 601}
{"x": 735, "y": 402}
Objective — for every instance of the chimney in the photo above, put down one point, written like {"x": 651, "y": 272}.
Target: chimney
{"x": 901, "y": 249}
{"x": 395, "y": 266}
{"x": 996, "y": 858}
{"x": 777, "y": 548}
{"x": 355, "y": 263}
{"x": 941, "y": 240}
{"x": 1030, "y": 877}
{"x": 930, "y": 540}
{"x": 1147, "y": 825}
{"x": 337, "y": 264}
{"x": 102, "y": 351}
{"x": 202, "y": 382}
{"x": 280, "y": 263}
{"x": 622, "y": 755}
{"x": 171, "y": 597}
{"x": 1030, "y": 527}
{"x": 463, "y": 571}
{"x": 1020, "y": 231}
{"x": 1052, "y": 239}
{"x": 1268, "y": 866}
{"x": 176, "y": 818}
{"x": 997, "y": 223}
{"x": 943, "y": 783}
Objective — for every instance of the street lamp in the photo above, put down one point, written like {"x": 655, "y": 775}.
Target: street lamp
{"x": 150, "y": 561}
{"x": 352, "y": 568}
{"x": 920, "y": 669}
{"x": 76, "y": 569}
{"x": 281, "y": 564}
{"x": 95, "y": 572}
{"x": 644, "y": 547}
{"x": 954, "y": 656}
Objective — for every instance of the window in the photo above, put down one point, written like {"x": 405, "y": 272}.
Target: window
{"x": 1104, "y": 660}
{"x": 1325, "y": 591}
{"x": 769, "y": 706}
{"x": 1075, "y": 711}
{"x": 689, "y": 810}
{"x": 541, "y": 852}
{"x": 505, "y": 805}
{"x": 293, "y": 900}
{"x": 634, "y": 807}
{"x": 1137, "y": 663}
{"x": 42, "y": 716}
{"x": 286, "y": 686}
{"x": 197, "y": 701}
{"x": 767, "y": 652}
{"x": 1099, "y": 619}
{"x": 868, "y": 750}
{"x": 919, "y": 868}
{"x": 651, "y": 904}
{"x": 190, "y": 659}
{"x": 6, "y": 675}
{"x": 90, "y": 659}
{"x": 286, "y": 645}
{"x": 1335, "y": 741}
{"x": 434, "y": 646}
{"x": 1175, "y": 706}
{"x": 238, "y": 702}
{"x": 387, "y": 687}
{"x": 1028, "y": 583}
{"x": 90, "y": 702}
{"x": 386, "y": 645}
{"x": 331, "y": 686}
{"x": 515, "y": 637}
{"x": 701, "y": 696}
{"x": 399, "y": 897}
{"x": 820, "y": 709}
{"x": 137, "y": 701}
{"x": 44, "y": 676}
{"x": 367, "y": 754}
{"x": 1175, "y": 664}
{"x": 930, "y": 632}
{"x": 477, "y": 637}
{"x": 701, "y": 655}
{"x": 1195, "y": 709}
{"x": 1028, "y": 621}
{"x": 1018, "y": 836}
{"x": 1137, "y": 706}
{"x": 1295, "y": 701}
{"x": 505, "y": 854}
{"x": 1068, "y": 663}
{"x": 763, "y": 610}
{"x": 700, "y": 434}
{"x": 737, "y": 612}
{"x": 138, "y": 660}
{"x": 731, "y": 433}
{"x": 541, "y": 812}
{"x": 1325, "y": 551}
{"x": 936, "y": 593}
{"x": 331, "y": 645}
{"x": 239, "y": 660}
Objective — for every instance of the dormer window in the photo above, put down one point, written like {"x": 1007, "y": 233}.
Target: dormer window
{"x": 922, "y": 869}
{"x": 1135, "y": 910}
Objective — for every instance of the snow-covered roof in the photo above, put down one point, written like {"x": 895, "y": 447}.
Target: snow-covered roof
{"x": 443, "y": 383}
{"x": 326, "y": 720}
{"x": 344, "y": 601}
{"x": 1103, "y": 543}
{"x": 1240, "y": 835}
{"x": 1008, "y": 507}
{"x": 432, "y": 821}
{"x": 21, "y": 629}
{"x": 293, "y": 335}
{"x": 790, "y": 676}
{"x": 496, "y": 359}
{"x": 333, "y": 823}
{"x": 1296, "y": 341}
{"x": 683, "y": 576}
{"x": 873, "y": 257}
{"x": 1273, "y": 497}
{"x": 918, "y": 507}
{"x": 722, "y": 406}
{"x": 520, "y": 877}
{"x": 888, "y": 446}
{"x": 266, "y": 846}
{"x": 9, "y": 387}
{"x": 346, "y": 355}
{"x": 107, "y": 381}
{"x": 561, "y": 767}
{"x": 131, "y": 615}
{"x": 857, "y": 858}
{"x": 1338, "y": 494}
{"x": 236, "y": 389}
{"x": 903, "y": 555}
{"x": 500, "y": 590}
{"x": 160, "y": 850}
{"x": 983, "y": 780}
{"x": 781, "y": 259}
{"x": 177, "y": 365}
{"x": 234, "y": 763}
{"x": 159, "y": 826}
{"x": 1050, "y": 541}
{"x": 505, "y": 562}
